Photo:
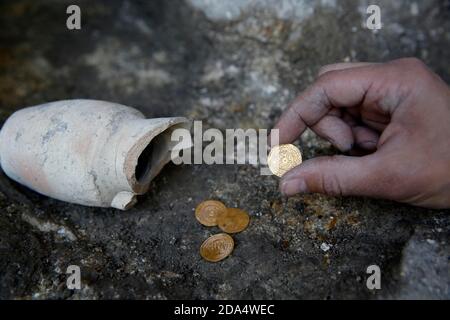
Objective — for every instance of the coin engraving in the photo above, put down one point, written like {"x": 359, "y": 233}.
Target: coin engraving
{"x": 283, "y": 158}
{"x": 217, "y": 247}
{"x": 233, "y": 221}
{"x": 208, "y": 211}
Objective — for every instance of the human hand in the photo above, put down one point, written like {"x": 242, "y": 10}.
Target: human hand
{"x": 398, "y": 112}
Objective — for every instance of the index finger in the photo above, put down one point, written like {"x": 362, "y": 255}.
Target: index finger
{"x": 339, "y": 88}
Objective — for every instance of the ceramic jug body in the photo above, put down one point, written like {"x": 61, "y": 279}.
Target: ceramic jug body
{"x": 90, "y": 152}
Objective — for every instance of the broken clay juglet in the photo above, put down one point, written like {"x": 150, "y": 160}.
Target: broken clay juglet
{"x": 90, "y": 152}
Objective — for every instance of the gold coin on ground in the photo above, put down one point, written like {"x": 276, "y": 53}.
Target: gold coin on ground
{"x": 233, "y": 221}
{"x": 283, "y": 158}
{"x": 217, "y": 247}
{"x": 208, "y": 211}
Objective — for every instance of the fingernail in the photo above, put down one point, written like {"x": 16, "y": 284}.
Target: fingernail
{"x": 348, "y": 147}
{"x": 293, "y": 186}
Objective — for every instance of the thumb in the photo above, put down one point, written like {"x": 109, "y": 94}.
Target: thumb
{"x": 335, "y": 175}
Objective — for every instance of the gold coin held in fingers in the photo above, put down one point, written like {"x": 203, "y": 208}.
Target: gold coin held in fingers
{"x": 208, "y": 211}
{"x": 217, "y": 247}
{"x": 283, "y": 158}
{"x": 233, "y": 221}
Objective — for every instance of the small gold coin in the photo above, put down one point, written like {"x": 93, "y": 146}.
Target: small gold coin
{"x": 283, "y": 158}
{"x": 217, "y": 247}
{"x": 208, "y": 211}
{"x": 233, "y": 221}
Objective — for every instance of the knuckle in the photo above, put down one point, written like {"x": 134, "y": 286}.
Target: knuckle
{"x": 415, "y": 73}
{"x": 413, "y": 61}
{"x": 331, "y": 185}
{"x": 414, "y": 64}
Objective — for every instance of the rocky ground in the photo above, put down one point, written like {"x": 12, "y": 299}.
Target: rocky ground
{"x": 231, "y": 64}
